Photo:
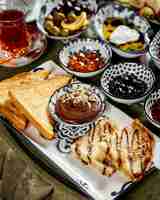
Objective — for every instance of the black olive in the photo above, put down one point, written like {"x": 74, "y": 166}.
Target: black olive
{"x": 127, "y": 86}
{"x": 116, "y": 22}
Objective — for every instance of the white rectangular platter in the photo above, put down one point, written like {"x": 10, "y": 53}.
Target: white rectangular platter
{"x": 86, "y": 179}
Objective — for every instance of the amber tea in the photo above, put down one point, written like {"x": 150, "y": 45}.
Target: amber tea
{"x": 14, "y": 37}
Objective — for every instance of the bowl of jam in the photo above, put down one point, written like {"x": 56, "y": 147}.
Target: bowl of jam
{"x": 85, "y": 57}
{"x": 77, "y": 104}
{"x": 152, "y": 108}
{"x": 128, "y": 83}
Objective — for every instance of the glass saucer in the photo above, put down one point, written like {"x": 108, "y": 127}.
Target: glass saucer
{"x": 36, "y": 49}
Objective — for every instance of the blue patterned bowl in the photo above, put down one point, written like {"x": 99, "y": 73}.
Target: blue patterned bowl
{"x": 114, "y": 10}
{"x": 70, "y": 88}
{"x": 148, "y": 105}
{"x": 140, "y": 71}
{"x": 154, "y": 50}
{"x": 50, "y": 5}
{"x": 84, "y": 45}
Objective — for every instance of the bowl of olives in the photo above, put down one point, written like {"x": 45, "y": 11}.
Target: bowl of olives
{"x": 64, "y": 19}
{"x": 128, "y": 83}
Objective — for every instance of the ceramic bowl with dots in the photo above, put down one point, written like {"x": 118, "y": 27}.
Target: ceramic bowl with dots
{"x": 154, "y": 50}
{"x": 133, "y": 70}
{"x": 150, "y": 101}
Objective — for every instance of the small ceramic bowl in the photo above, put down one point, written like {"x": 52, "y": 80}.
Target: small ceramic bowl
{"x": 47, "y": 8}
{"x": 140, "y": 71}
{"x": 154, "y": 50}
{"x": 114, "y": 10}
{"x": 85, "y": 45}
{"x": 148, "y": 105}
{"x": 70, "y": 88}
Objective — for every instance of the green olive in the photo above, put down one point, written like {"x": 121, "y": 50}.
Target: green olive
{"x": 72, "y": 16}
{"x": 58, "y": 17}
{"x": 61, "y": 15}
{"x": 64, "y": 32}
{"x": 51, "y": 28}
{"x": 48, "y": 24}
{"x": 55, "y": 30}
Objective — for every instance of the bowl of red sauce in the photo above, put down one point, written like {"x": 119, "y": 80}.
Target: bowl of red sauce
{"x": 152, "y": 108}
{"x": 85, "y": 57}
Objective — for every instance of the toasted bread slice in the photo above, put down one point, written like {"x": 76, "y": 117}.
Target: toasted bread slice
{"x": 33, "y": 102}
{"x": 14, "y": 115}
{"x": 9, "y": 105}
{"x": 20, "y": 80}
{"x": 17, "y": 121}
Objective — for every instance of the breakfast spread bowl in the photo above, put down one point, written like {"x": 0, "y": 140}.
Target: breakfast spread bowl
{"x": 77, "y": 104}
{"x": 128, "y": 83}
{"x": 64, "y": 20}
{"x": 154, "y": 50}
{"x": 127, "y": 33}
{"x": 85, "y": 57}
{"x": 152, "y": 108}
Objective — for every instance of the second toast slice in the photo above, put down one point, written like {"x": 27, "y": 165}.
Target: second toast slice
{"x": 33, "y": 102}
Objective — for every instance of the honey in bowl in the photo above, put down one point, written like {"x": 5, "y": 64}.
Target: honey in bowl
{"x": 14, "y": 38}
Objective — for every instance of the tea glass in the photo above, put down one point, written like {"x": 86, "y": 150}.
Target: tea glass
{"x": 14, "y": 37}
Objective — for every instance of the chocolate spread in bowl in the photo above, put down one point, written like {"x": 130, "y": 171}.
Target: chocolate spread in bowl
{"x": 78, "y": 107}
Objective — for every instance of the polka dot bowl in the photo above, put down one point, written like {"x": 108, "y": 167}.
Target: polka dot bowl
{"x": 154, "y": 50}
{"x": 138, "y": 70}
{"x": 148, "y": 106}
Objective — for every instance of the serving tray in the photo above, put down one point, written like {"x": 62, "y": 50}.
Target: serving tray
{"x": 81, "y": 176}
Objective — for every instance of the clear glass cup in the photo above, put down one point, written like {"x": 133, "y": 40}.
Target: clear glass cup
{"x": 14, "y": 37}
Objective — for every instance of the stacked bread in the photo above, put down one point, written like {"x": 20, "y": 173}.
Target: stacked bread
{"x": 24, "y": 98}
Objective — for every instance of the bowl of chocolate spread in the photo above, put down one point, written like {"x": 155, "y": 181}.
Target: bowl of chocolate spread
{"x": 77, "y": 104}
